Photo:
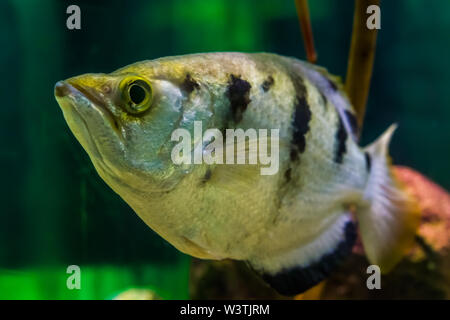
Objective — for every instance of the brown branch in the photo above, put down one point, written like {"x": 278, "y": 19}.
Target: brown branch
{"x": 305, "y": 26}
{"x": 361, "y": 57}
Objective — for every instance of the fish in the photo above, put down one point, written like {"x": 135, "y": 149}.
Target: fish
{"x": 292, "y": 227}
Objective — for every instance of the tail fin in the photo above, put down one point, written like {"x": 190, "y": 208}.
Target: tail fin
{"x": 389, "y": 217}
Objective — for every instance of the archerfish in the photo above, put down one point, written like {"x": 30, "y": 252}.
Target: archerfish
{"x": 293, "y": 227}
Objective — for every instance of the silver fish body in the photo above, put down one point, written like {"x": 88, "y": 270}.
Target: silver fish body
{"x": 288, "y": 225}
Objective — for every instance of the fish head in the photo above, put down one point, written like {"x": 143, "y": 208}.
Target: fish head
{"x": 124, "y": 121}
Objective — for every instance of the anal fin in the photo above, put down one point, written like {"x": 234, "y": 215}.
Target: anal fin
{"x": 295, "y": 273}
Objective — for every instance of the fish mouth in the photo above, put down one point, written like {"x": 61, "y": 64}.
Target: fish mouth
{"x": 88, "y": 117}
{"x": 65, "y": 89}
{"x": 78, "y": 107}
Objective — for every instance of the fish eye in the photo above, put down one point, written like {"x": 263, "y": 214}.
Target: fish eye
{"x": 137, "y": 94}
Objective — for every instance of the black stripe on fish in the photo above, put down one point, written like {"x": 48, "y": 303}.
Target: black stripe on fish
{"x": 299, "y": 85}
{"x": 267, "y": 83}
{"x": 300, "y": 124}
{"x": 287, "y": 174}
{"x": 189, "y": 84}
{"x": 368, "y": 161}
{"x": 351, "y": 118}
{"x": 299, "y": 279}
{"x": 341, "y": 138}
{"x": 294, "y": 154}
{"x": 207, "y": 176}
{"x": 332, "y": 84}
{"x": 238, "y": 92}
{"x": 324, "y": 99}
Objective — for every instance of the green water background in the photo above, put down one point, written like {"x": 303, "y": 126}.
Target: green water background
{"x": 56, "y": 211}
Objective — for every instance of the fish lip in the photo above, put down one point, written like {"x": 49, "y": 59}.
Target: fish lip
{"x": 65, "y": 89}
{"x": 67, "y": 94}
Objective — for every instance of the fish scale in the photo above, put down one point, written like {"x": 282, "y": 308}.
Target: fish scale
{"x": 292, "y": 227}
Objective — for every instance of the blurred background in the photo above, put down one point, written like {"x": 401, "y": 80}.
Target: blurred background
{"x": 56, "y": 211}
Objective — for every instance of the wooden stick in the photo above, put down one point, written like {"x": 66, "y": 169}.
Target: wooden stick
{"x": 361, "y": 57}
{"x": 305, "y": 26}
